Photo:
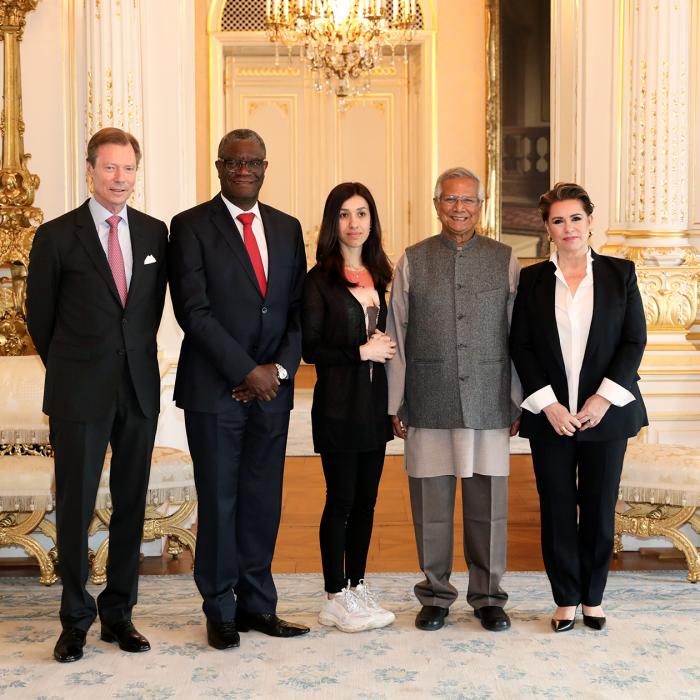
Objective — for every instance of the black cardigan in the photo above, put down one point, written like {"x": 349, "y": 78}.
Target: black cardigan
{"x": 349, "y": 412}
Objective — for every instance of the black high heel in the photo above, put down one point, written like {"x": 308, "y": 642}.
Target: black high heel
{"x": 563, "y": 625}
{"x": 595, "y": 623}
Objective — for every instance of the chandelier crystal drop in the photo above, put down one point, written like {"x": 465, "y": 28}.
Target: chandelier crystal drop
{"x": 341, "y": 41}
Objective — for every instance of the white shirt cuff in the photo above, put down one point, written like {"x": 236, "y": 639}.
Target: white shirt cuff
{"x": 541, "y": 398}
{"x": 613, "y": 392}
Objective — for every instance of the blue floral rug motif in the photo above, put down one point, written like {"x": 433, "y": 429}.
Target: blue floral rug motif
{"x": 649, "y": 649}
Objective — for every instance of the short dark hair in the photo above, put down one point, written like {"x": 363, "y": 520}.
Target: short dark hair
{"x": 329, "y": 255}
{"x": 110, "y": 134}
{"x": 242, "y": 135}
{"x": 562, "y": 191}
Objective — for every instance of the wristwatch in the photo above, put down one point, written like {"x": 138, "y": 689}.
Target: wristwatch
{"x": 282, "y": 373}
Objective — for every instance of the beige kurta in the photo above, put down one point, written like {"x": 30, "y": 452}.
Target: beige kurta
{"x": 459, "y": 452}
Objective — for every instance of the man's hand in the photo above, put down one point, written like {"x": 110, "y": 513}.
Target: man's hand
{"x": 400, "y": 430}
{"x": 515, "y": 426}
{"x": 242, "y": 393}
{"x": 260, "y": 383}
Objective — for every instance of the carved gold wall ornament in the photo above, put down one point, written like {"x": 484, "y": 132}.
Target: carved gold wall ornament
{"x": 670, "y": 296}
{"x": 660, "y": 256}
{"x": 18, "y": 218}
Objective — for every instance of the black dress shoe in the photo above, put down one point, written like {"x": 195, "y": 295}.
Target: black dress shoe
{"x": 126, "y": 635}
{"x": 595, "y": 623}
{"x": 222, "y": 635}
{"x": 268, "y": 623}
{"x": 431, "y": 617}
{"x": 493, "y": 618}
{"x": 69, "y": 646}
{"x": 563, "y": 625}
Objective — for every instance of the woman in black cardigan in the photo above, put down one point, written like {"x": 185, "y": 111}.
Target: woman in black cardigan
{"x": 343, "y": 321}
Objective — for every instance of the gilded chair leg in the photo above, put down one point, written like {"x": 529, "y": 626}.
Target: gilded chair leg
{"x": 47, "y": 572}
{"x": 663, "y": 521}
{"x": 98, "y": 570}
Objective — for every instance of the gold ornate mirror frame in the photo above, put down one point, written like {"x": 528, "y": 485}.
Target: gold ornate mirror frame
{"x": 507, "y": 142}
{"x": 491, "y": 213}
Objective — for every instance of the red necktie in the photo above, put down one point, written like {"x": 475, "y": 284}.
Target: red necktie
{"x": 115, "y": 257}
{"x": 251, "y": 245}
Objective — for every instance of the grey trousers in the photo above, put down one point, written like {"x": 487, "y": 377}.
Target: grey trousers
{"x": 485, "y": 514}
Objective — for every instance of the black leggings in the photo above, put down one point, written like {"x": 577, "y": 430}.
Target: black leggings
{"x": 352, "y": 481}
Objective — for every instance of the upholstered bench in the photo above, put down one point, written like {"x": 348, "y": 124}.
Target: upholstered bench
{"x": 660, "y": 488}
{"x": 26, "y": 466}
{"x": 27, "y": 479}
{"x": 171, "y": 501}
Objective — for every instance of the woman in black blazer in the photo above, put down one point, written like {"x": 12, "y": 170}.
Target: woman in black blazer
{"x": 343, "y": 323}
{"x": 577, "y": 339}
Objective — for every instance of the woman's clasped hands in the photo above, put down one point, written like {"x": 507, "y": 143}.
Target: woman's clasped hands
{"x": 379, "y": 348}
{"x": 564, "y": 423}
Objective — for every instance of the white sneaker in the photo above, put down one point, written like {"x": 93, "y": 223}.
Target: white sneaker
{"x": 346, "y": 612}
{"x": 381, "y": 617}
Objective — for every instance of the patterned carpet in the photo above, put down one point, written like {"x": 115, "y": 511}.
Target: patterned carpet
{"x": 649, "y": 649}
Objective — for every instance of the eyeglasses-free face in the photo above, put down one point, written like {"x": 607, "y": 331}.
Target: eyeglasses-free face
{"x": 113, "y": 175}
{"x": 569, "y": 226}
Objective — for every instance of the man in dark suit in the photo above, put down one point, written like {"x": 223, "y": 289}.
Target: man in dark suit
{"x": 95, "y": 294}
{"x": 236, "y": 269}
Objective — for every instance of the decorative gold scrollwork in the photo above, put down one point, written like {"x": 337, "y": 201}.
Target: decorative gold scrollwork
{"x": 18, "y": 218}
{"x": 653, "y": 520}
{"x": 670, "y": 296}
{"x": 37, "y": 450}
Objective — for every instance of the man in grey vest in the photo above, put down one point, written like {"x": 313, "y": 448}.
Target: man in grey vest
{"x": 450, "y": 398}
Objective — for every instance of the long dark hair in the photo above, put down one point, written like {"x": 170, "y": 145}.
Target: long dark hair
{"x": 329, "y": 255}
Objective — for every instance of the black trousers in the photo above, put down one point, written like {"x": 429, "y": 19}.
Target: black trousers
{"x": 238, "y": 461}
{"x": 79, "y": 452}
{"x": 352, "y": 482}
{"x": 577, "y": 550}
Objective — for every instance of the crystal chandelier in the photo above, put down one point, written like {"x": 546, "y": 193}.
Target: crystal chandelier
{"x": 341, "y": 41}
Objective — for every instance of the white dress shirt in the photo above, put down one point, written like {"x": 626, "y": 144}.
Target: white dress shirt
{"x": 258, "y": 230}
{"x": 100, "y": 216}
{"x": 573, "y": 315}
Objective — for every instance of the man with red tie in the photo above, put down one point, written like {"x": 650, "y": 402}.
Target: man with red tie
{"x": 236, "y": 268}
{"x": 95, "y": 293}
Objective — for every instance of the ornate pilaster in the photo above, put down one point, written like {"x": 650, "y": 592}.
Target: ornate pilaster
{"x": 651, "y": 198}
{"x": 18, "y": 218}
{"x": 114, "y": 83}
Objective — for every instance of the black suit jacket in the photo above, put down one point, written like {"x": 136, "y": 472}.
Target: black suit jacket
{"x": 77, "y": 321}
{"x": 229, "y": 327}
{"x": 615, "y": 346}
